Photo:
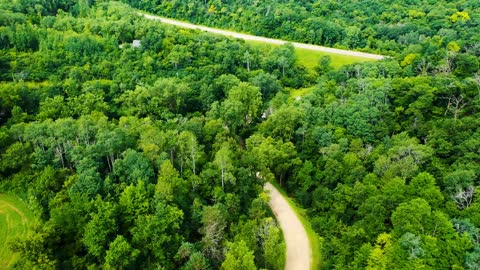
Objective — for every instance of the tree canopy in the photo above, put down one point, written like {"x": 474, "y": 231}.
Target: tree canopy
{"x": 155, "y": 156}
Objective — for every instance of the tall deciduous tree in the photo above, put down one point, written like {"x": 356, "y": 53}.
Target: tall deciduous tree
{"x": 169, "y": 183}
{"x": 120, "y": 255}
{"x": 132, "y": 168}
{"x": 101, "y": 229}
{"x": 423, "y": 186}
{"x": 242, "y": 106}
{"x": 223, "y": 160}
{"x": 238, "y": 257}
{"x": 189, "y": 151}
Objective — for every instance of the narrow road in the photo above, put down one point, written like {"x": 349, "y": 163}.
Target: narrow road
{"x": 262, "y": 39}
{"x": 296, "y": 239}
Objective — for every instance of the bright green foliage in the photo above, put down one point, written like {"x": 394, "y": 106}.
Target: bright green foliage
{"x": 224, "y": 162}
{"x": 169, "y": 93}
{"x": 34, "y": 249}
{"x": 16, "y": 156}
{"x": 81, "y": 170}
{"x": 281, "y": 58}
{"x": 241, "y": 107}
{"x": 157, "y": 235}
{"x": 412, "y": 217}
{"x": 169, "y": 184}
{"x": 189, "y": 151}
{"x": 238, "y": 257}
{"x": 378, "y": 259}
{"x": 423, "y": 186}
{"x": 120, "y": 254}
{"x": 283, "y": 123}
{"x": 88, "y": 181}
{"x": 270, "y": 156}
{"x": 134, "y": 201}
{"x": 273, "y": 248}
{"x": 101, "y": 229}
{"x": 403, "y": 157}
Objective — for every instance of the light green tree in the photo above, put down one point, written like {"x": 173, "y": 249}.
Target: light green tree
{"x": 238, "y": 257}
{"x": 223, "y": 160}
{"x": 120, "y": 255}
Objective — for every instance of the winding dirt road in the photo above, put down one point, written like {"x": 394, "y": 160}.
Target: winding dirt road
{"x": 296, "y": 239}
{"x": 261, "y": 39}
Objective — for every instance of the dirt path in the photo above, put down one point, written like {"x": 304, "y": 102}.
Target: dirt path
{"x": 5, "y": 205}
{"x": 262, "y": 39}
{"x": 298, "y": 245}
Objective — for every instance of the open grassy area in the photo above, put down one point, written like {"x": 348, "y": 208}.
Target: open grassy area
{"x": 315, "y": 240}
{"x": 14, "y": 220}
{"x": 299, "y": 93}
{"x": 309, "y": 58}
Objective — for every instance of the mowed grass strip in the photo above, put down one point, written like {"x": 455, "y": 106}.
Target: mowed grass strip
{"x": 14, "y": 220}
{"x": 309, "y": 58}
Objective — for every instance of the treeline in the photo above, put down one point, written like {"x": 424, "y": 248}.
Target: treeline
{"x": 376, "y": 26}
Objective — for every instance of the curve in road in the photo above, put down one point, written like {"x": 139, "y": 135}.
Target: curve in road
{"x": 261, "y": 39}
{"x": 296, "y": 239}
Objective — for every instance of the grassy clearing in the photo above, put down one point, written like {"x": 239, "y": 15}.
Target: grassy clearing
{"x": 298, "y": 93}
{"x": 309, "y": 58}
{"x": 315, "y": 240}
{"x": 14, "y": 220}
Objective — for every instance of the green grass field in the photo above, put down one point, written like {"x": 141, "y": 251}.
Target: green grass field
{"x": 309, "y": 58}
{"x": 14, "y": 220}
{"x": 315, "y": 240}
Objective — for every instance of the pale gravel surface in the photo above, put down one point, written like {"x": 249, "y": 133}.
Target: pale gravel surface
{"x": 296, "y": 239}
{"x": 262, "y": 39}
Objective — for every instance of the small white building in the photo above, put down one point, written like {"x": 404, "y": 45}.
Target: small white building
{"x": 135, "y": 44}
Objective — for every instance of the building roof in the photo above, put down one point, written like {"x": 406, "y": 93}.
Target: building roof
{"x": 136, "y": 43}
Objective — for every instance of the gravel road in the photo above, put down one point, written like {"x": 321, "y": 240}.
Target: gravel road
{"x": 261, "y": 39}
{"x": 298, "y": 245}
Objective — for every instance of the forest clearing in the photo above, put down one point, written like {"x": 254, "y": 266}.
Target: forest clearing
{"x": 14, "y": 220}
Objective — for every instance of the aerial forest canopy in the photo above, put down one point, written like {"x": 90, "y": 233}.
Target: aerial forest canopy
{"x": 155, "y": 156}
